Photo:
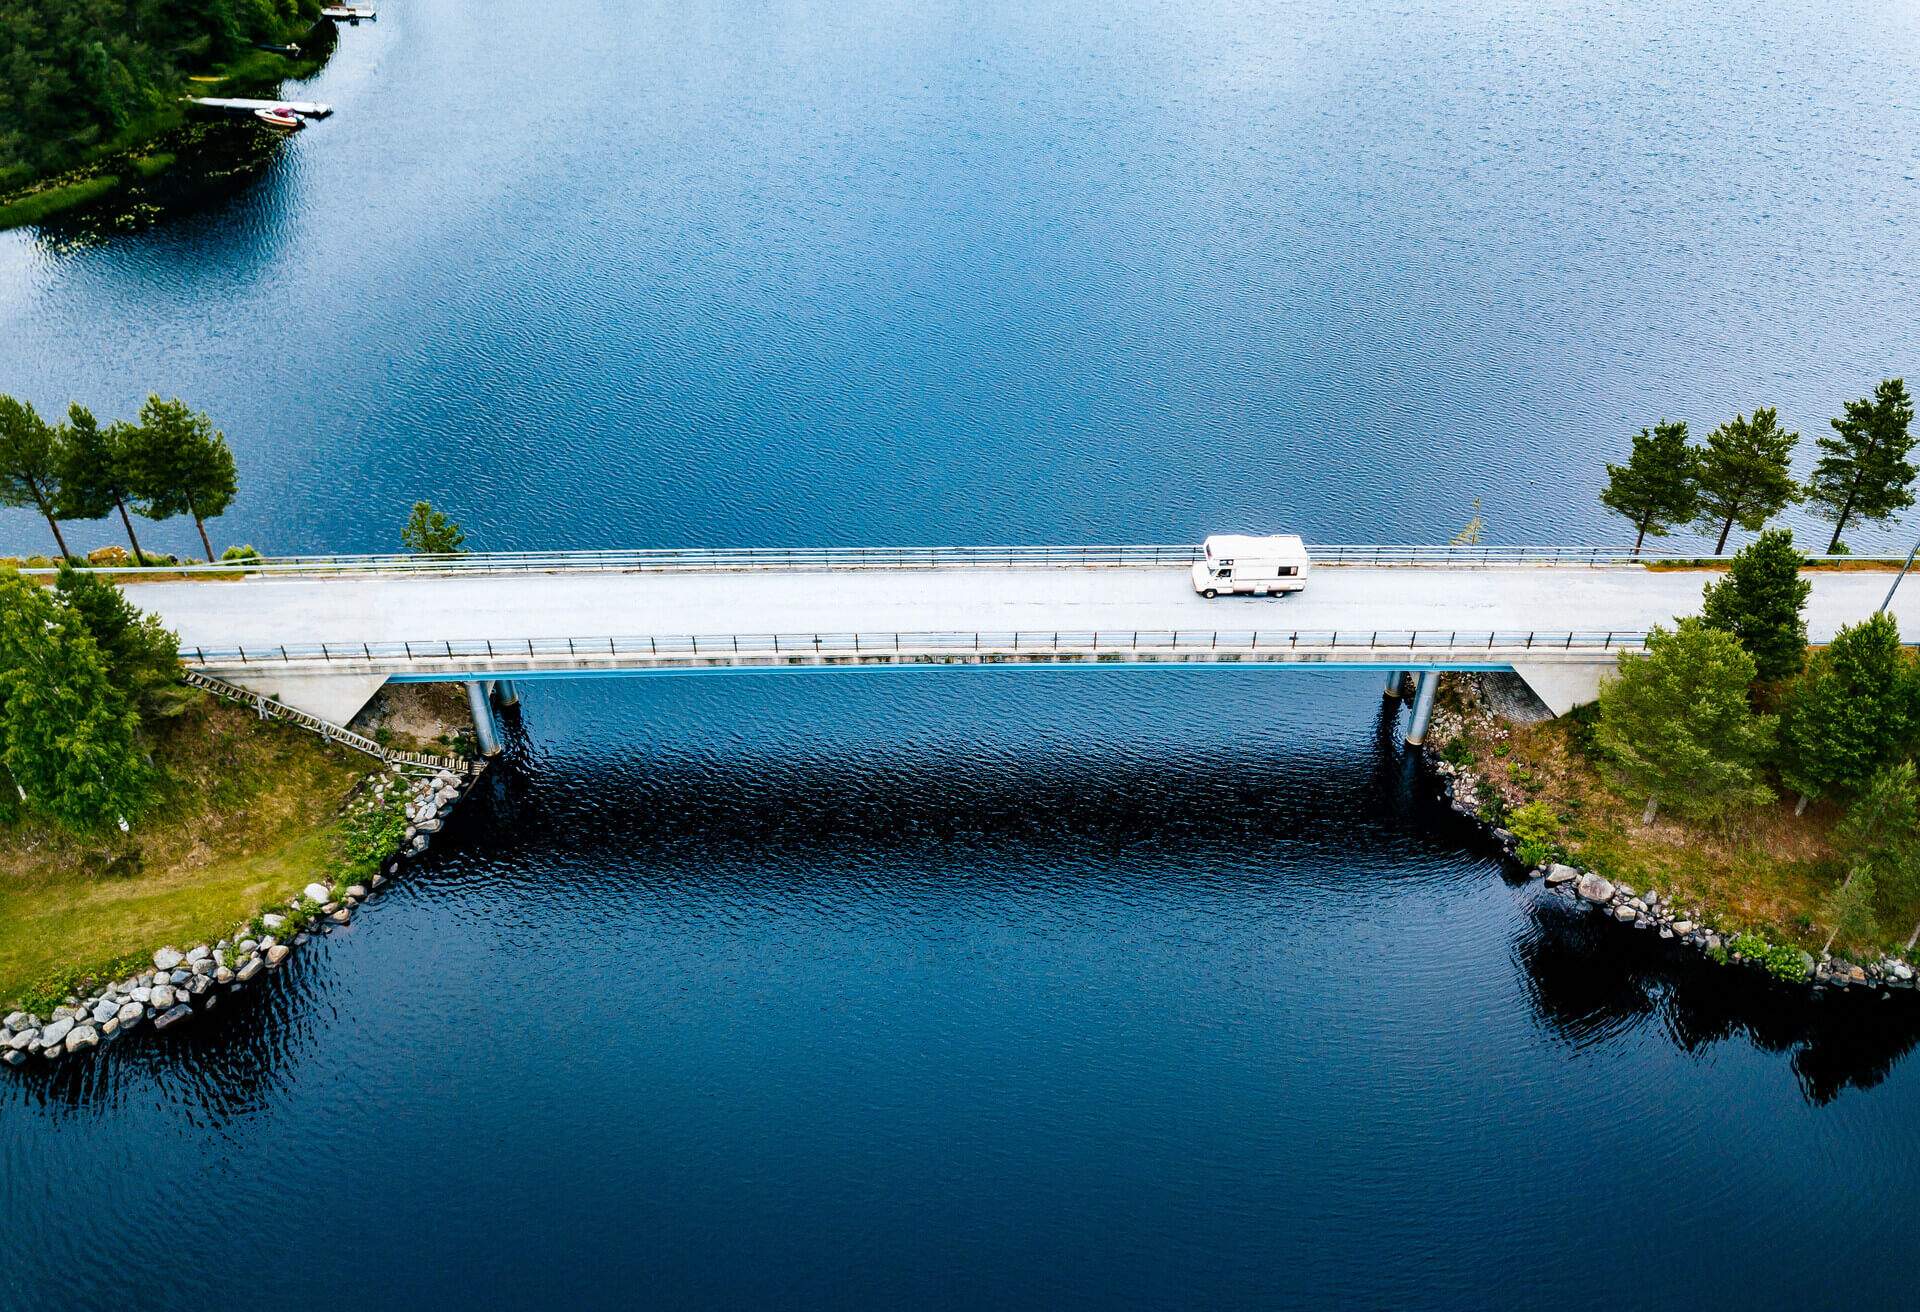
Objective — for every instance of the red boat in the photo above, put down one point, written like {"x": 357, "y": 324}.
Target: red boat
{"x": 279, "y": 117}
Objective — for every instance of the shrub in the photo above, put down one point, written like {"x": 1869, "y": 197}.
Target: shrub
{"x": 110, "y": 557}
{"x": 238, "y": 552}
{"x": 1536, "y": 826}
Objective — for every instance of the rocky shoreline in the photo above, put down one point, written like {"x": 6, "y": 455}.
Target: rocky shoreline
{"x": 1651, "y": 911}
{"x": 184, "y": 983}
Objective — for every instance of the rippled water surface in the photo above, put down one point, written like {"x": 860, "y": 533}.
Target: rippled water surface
{"x": 1027, "y": 987}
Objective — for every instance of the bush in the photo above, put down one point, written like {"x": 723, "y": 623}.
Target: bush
{"x": 1537, "y": 828}
{"x": 1457, "y": 752}
{"x": 110, "y": 557}
{"x": 246, "y": 552}
{"x": 1777, "y": 959}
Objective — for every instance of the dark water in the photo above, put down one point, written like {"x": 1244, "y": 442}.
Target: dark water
{"x": 1011, "y": 986}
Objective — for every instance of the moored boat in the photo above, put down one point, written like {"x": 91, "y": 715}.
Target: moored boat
{"x": 278, "y": 117}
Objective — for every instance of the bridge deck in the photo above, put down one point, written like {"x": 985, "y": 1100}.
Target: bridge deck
{"x": 268, "y": 611}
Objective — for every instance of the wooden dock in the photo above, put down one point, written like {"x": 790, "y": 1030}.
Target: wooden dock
{"x": 304, "y": 108}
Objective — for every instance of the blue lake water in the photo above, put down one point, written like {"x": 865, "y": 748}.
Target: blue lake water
{"x": 1009, "y": 987}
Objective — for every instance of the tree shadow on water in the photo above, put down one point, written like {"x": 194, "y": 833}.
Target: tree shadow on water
{"x": 1591, "y": 978}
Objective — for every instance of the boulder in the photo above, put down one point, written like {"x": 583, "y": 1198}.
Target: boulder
{"x": 317, "y": 893}
{"x": 179, "y": 977}
{"x": 223, "y": 976}
{"x": 200, "y": 953}
{"x": 103, "y": 1012}
{"x": 272, "y": 921}
{"x": 172, "y": 1016}
{"x": 200, "y": 984}
{"x": 56, "y": 1032}
{"x": 167, "y": 959}
{"x": 277, "y": 954}
{"x": 82, "y": 1036}
{"x": 1593, "y": 888}
{"x": 341, "y": 917}
{"x": 23, "y": 1039}
{"x": 162, "y": 997}
{"x": 1683, "y": 927}
{"x": 129, "y": 1015}
{"x": 1623, "y": 890}
{"x": 1558, "y": 874}
{"x": 1624, "y": 913}
{"x": 16, "y": 1020}
{"x": 13, "y": 1057}
{"x": 203, "y": 967}
{"x": 144, "y": 993}
{"x": 248, "y": 969}
{"x": 110, "y": 1028}
{"x": 357, "y": 890}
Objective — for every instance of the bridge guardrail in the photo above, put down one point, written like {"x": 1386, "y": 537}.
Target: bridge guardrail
{"x": 959, "y": 644}
{"x": 896, "y": 558}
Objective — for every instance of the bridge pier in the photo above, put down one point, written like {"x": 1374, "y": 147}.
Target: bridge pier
{"x": 486, "y": 734}
{"x": 1423, "y": 695}
{"x": 1395, "y": 678}
{"x": 505, "y": 694}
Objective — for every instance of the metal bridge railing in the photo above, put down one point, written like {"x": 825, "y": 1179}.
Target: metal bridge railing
{"x": 690, "y": 648}
{"x": 898, "y": 558}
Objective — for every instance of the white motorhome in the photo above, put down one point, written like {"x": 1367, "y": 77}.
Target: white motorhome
{"x": 1233, "y": 562}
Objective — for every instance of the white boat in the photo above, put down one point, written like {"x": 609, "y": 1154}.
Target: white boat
{"x": 279, "y": 116}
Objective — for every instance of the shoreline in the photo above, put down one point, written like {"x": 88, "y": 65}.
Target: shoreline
{"x": 1691, "y": 926}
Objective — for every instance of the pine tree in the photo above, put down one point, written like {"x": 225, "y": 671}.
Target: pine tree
{"x": 1743, "y": 474}
{"x": 1863, "y": 472}
{"x": 1760, "y": 602}
{"x": 1850, "y": 713}
{"x": 142, "y": 655}
{"x": 1679, "y": 727}
{"x": 1848, "y": 909}
{"x": 1657, "y": 488}
{"x": 95, "y": 476}
{"x": 67, "y": 735}
{"x": 29, "y": 464}
{"x": 431, "y": 533}
{"x": 180, "y": 464}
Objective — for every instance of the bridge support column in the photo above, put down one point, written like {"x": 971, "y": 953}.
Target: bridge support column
{"x": 486, "y": 734}
{"x": 1422, "y": 708}
{"x": 504, "y": 693}
{"x": 1394, "y": 679}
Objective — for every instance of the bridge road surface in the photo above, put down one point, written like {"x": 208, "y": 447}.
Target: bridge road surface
{"x": 270, "y": 611}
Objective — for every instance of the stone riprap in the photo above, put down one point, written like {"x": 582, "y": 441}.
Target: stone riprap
{"x": 1651, "y": 911}
{"x": 183, "y": 984}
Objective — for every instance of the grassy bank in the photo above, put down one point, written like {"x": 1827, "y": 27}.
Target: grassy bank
{"x": 1767, "y": 870}
{"x": 250, "y": 812}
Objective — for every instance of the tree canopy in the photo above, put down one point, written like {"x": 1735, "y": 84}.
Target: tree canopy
{"x": 1863, "y": 472}
{"x": 1657, "y": 488}
{"x": 96, "y": 476}
{"x": 431, "y": 533}
{"x": 75, "y": 72}
{"x": 1851, "y": 712}
{"x": 181, "y": 465}
{"x": 1677, "y": 723}
{"x": 29, "y": 463}
{"x": 1760, "y": 600}
{"x": 1743, "y": 474}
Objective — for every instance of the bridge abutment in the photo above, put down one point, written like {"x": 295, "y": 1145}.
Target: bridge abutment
{"x": 486, "y": 732}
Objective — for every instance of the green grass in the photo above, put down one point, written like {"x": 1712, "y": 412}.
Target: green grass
{"x": 35, "y": 206}
{"x": 249, "y": 815}
{"x": 1769, "y": 870}
{"x": 150, "y": 166}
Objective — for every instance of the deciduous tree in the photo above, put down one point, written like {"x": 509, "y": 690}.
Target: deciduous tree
{"x": 1658, "y": 486}
{"x": 1744, "y": 476}
{"x": 29, "y": 463}
{"x": 1863, "y": 472}
{"x": 1760, "y": 600}
{"x": 1850, "y": 713}
{"x": 1677, "y": 723}
{"x": 1848, "y": 908}
{"x": 96, "y": 476}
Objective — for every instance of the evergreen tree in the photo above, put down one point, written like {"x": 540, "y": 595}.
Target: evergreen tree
{"x": 1677, "y": 723}
{"x": 1743, "y": 474}
{"x": 1850, "y": 713}
{"x": 142, "y": 656}
{"x": 1863, "y": 471}
{"x": 67, "y": 735}
{"x": 95, "y": 475}
{"x": 1759, "y": 602}
{"x": 1848, "y": 909}
{"x": 180, "y": 464}
{"x": 1881, "y": 830}
{"x": 29, "y": 464}
{"x": 1657, "y": 488}
{"x": 431, "y": 533}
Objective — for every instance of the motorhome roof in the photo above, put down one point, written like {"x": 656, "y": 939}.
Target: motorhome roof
{"x": 1284, "y": 546}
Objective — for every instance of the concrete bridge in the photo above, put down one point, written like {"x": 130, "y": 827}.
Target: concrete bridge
{"x": 324, "y": 633}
